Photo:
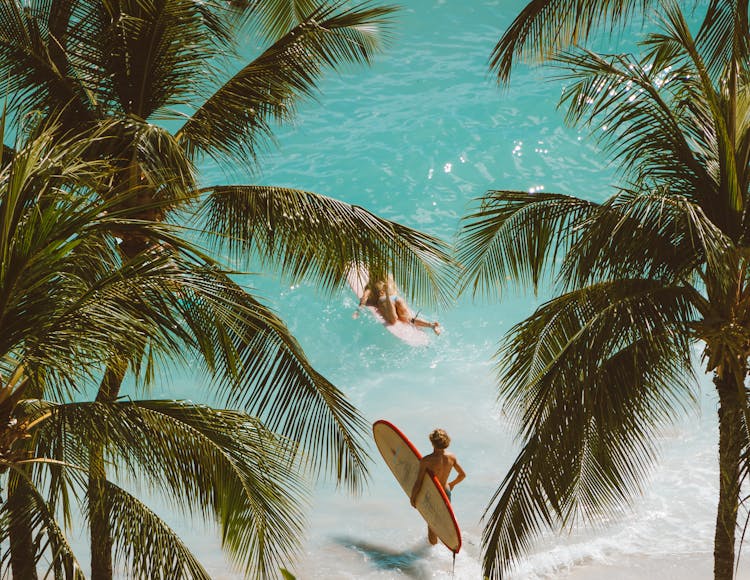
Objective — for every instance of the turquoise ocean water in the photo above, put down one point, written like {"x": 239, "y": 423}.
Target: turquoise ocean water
{"x": 414, "y": 139}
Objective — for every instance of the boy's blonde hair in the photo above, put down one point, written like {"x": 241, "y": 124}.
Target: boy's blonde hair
{"x": 439, "y": 439}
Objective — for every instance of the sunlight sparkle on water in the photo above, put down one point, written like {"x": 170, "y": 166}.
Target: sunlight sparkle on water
{"x": 540, "y": 149}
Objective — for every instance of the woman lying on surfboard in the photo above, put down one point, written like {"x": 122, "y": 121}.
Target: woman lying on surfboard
{"x": 390, "y": 305}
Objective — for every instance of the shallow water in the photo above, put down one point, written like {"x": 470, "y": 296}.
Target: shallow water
{"x": 413, "y": 139}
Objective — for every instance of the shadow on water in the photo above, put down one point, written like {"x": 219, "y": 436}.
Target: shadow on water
{"x": 386, "y": 558}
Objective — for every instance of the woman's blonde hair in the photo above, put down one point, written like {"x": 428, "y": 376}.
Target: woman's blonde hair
{"x": 387, "y": 286}
{"x": 439, "y": 439}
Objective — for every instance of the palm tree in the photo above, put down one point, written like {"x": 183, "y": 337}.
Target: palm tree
{"x": 68, "y": 305}
{"x": 658, "y": 267}
{"x": 130, "y": 65}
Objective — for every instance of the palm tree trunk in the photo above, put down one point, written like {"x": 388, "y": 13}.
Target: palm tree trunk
{"x": 730, "y": 445}
{"x": 101, "y": 533}
{"x": 100, "y": 529}
{"x": 22, "y": 553}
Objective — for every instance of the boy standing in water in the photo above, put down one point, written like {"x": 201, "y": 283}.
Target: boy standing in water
{"x": 438, "y": 463}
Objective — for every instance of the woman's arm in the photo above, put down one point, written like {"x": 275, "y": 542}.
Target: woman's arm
{"x": 363, "y": 301}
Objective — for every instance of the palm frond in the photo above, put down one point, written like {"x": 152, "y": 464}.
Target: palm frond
{"x": 68, "y": 301}
{"x": 222, "y": 463}
{"x": 544, "y": 27}
{"x": 271, "y": 19}
{"x": 515, "y": 235}
{"x": 571, "y": 336}
{"x": 236, "y": 119}
{"x": 169, "y": 303}
{"x": 723, "y": 36}
{"x": 640, "y": 112}
{"x": 591, "y": 375}
{"x": 166, "y": 174}
{"x": 31, "y": 78}
{"x": 156, "y": 54}
{"x": 310, "y": 236}
{"x": 258, "y": 365}
{"x": 146, "y": 545}
{"x": 730, "y": 207}
{"x": 658, "y": 235}
{"x": 26, "y": 510}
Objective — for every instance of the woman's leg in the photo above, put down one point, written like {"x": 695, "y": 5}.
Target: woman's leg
{"x": 402, "y": 310}
{"x": 387, "y": 309}
{"x": 407, "y": 317}
{"x": 404, "y": 315}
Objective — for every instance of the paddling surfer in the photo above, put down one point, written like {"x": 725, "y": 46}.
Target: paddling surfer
{"x": 439, "y": 463}
{"x": 393, "y": 308}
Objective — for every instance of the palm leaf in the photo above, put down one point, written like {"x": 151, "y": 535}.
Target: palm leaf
{"x": 26, "y": 508}
{"x": 310, "y": 236}
{"x": 657, "y": 235}
{"x": 147, "y": 545}
{"x": 514, "y": 235}
{"x": 167, "y": 175}
{"x": 259, "y": 366}
{"x": 591, "y": 375}
{"x": 172, "y": 304}
{"x": 731, "y": 205}
{"x": 723, "y": 35}
{"x": 237, "y": 118}
{"x": 593, "y": 323}
{"x": 222, "y": 463}
{"x": 58, "y": 261}
{"x": 274, "y": 18}
{"x": 155, "y": 54}
{"x": 545, "y": 26}
{"x": 639, "y": 112}
{"x": 30, "y": 78}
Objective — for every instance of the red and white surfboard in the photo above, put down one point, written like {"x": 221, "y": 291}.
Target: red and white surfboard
{"x": 432, "y": 503}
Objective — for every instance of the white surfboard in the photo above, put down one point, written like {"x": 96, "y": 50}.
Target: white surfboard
{"x": 358, "y": 277}
{"x": 432, "y": 503}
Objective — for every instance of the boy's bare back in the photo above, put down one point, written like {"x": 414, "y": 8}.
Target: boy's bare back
{"x": 439, "y": 464}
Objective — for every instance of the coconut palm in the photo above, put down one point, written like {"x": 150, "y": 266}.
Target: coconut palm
{"x": 86, "y": 58}
{"x": 655, "y": 270}
{"x": 69, "y": 303}
{"x": 132, "y": 65}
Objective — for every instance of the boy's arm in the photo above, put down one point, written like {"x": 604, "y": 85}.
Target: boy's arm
{"x": 418, "y": 483}
{"x": 460, "y": 475}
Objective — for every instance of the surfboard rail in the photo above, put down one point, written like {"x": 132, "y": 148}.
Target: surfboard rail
{"x": 402, "y": 458}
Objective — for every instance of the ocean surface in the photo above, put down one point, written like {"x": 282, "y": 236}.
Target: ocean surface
{"x": 415, "y": 138}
